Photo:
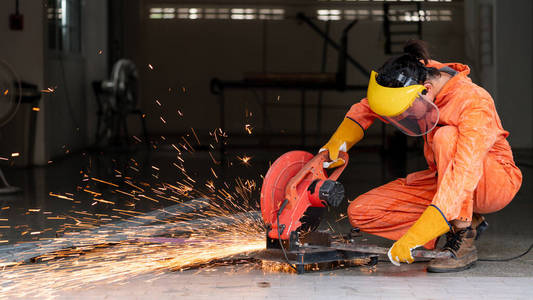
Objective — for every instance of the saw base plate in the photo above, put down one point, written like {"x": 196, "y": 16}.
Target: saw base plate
{"x": 314, "y": 258}
{"x": 312, "y": 251}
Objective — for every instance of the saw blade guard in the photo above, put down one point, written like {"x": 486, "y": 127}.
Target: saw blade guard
{"x": 289, "y": 178}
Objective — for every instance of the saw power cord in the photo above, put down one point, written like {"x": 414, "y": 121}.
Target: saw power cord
{"x": 509, "y": 258}
{"x": 279, "y": 235}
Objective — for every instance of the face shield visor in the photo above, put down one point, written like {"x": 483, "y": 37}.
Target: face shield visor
{"x": 404, "y": 107}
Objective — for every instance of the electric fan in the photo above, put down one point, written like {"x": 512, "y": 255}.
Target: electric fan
{"x": 10, "y": 95}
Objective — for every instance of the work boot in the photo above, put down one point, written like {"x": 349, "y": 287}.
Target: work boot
{"x": 479, "y": 223}
{"x": 460, "y": 243}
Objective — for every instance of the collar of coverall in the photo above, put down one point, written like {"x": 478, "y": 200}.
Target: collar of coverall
{"x": 463, "y": 71}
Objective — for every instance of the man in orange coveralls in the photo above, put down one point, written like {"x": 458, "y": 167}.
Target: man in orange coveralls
{"x": 471, "y": 167}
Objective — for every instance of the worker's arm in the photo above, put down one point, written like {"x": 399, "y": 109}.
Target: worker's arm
{"x": 362, "y": 114}
{"x": 350, "y": 131}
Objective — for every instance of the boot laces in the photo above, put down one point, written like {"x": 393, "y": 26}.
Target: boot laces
{"x": 454, "y": 240}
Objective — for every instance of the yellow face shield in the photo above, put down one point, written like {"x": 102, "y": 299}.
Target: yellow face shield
{"x": 404, "y": 107}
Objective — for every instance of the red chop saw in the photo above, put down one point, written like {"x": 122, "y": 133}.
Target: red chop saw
{"x": 295, "y": 193}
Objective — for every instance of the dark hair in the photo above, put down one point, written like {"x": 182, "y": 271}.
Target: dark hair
{"x": 408, "y": 64}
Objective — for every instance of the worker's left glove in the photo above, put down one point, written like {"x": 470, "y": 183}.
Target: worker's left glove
{"x": 347, "y": 135}
{"x": 430, "y": 225}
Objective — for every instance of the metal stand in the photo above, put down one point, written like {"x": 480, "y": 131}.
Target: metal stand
{"x": 112, "y": 124}
{"x": 6, "y": 188}
{"x": 297, "y": 81}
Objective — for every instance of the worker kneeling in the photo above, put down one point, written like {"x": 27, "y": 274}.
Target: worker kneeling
{"x": 471, "y": 168}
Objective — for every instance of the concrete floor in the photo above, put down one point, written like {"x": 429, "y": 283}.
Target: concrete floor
{"x": 510, "y": 231}
{"x": 352, "y": 284}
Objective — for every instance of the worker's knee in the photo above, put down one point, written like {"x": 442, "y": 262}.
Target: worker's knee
{"x": 445, "y": 137}
{"x": 362, "y": 211}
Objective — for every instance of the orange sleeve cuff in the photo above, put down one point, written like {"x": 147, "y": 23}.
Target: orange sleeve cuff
{"x": 361, "y": 114}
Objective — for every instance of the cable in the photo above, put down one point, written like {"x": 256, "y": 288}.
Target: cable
{"x": 279, "y": 236}
{"x": 488, "y": 259}
{"x": 509, "y": 258}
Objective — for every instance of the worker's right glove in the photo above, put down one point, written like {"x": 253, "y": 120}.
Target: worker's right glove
{"x": 430, "y": 225}
{"x": 347, "y": 135}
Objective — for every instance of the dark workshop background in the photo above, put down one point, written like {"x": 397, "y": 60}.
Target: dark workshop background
{"x": 69, "y": 44}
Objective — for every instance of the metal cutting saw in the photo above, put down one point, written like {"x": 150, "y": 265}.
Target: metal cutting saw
{"x": 295, "y": 193}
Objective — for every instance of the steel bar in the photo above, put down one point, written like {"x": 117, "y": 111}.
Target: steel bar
{"x": 313, "y": 26}
{"x": 383, "y": 250}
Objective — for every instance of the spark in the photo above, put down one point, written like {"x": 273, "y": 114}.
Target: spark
{"x": 149, "y": 198}
{"x": 103, "y": 181}
{"x": 180, "y": 113}
{"x": 100, "y": 52}
{"x": 93, "y": 193}
{"x": 15, "y": 154}
{"x": 227, "y": 228}
{"x": 189, "y": 145}
{"x": 56, "y": 218}
{"x": 248, "y": 128}
{"x": 49, "y": 90}
{"x": 213, "y": 158}
{"x": 150, "y": 66}
{"x": 125, "y": 193}
{"x": 6, "y": 92}
{"x": 35, "y": 108}
{"x": 245, "y": 159}
{"x": 104, "y": 201}
{"x": 157, "y": 102}
{"x": 213, "y": 171}
{"x": 133, "y": 185}
{"x": 163, "y": 120}
{"x": 195, "y": 136}
{"x": 60, "y": 196}
{"x": 210, "y": 184}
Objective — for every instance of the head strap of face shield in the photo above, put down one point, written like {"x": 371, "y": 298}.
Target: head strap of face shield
{"x": 406, "y": 81}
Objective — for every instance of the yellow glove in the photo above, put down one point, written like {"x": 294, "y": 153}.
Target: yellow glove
{"x": 347, "y": 135}
{"x": 430, "y": 225}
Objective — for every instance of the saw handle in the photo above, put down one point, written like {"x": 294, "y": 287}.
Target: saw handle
{"x": 314, "y": 166}
{"x": 324, "y": 157}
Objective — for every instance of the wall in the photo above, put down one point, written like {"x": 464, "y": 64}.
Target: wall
{"x": 96, "y": 57}
{"x": 186, "y": 54}
{"x": 23, "y": 50}
{"x": 514, "y": 64}
{"x": 71, "y": 110}
{"x": 508, "y": 78}
{"x": 67, "y": 117}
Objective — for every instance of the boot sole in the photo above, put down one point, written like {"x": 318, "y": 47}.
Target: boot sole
{"x": 449, "y": 270}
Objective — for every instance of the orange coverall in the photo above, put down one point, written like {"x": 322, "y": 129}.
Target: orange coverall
{"x": 471, "y": 166}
